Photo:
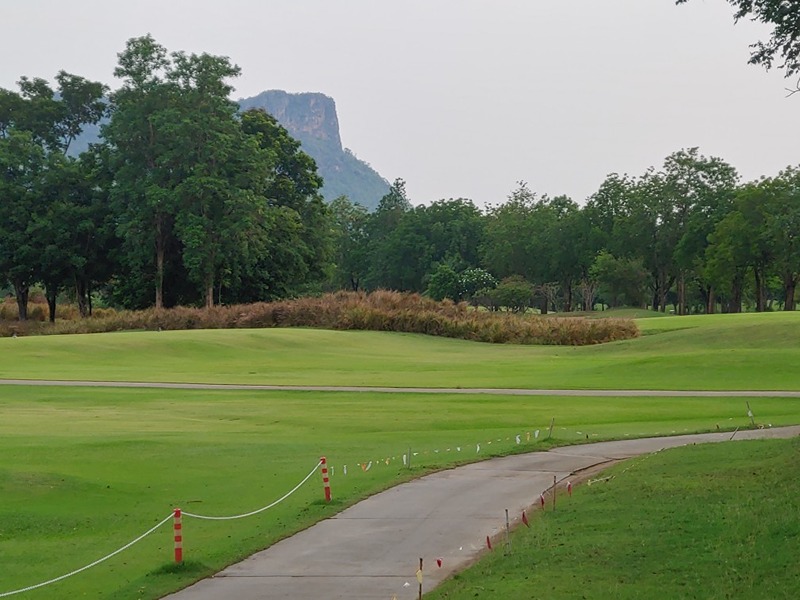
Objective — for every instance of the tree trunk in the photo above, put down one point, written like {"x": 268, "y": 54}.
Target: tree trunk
{"x": 82, "y": 295}
{"x": 209, "y": 293}
{"x": 52, "y": 292}
{"x": 682, "y": 294}
{"x": 735, "y": 304}
{"x": 544, "y": 304}
{"x": 568, "y": 297}
{"x": 160, "y": 251}
{"x": 21, "y": 291}
{"x": 711, "y": 302}
{"x": 789, "y": 286}
{"x": 760, "y": 295}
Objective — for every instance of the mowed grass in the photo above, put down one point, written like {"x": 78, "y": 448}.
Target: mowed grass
{"x": 705, "y": 352}
{"x": 708, "y": 521}
{"x": 85, "y": 470}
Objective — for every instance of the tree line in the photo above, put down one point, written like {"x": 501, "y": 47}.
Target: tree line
{"x": 184, "y": 199}
{"x": 188, "y": 201}
{"x": 688, "y": 237}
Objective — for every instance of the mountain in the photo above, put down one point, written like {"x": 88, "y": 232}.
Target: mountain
{"x": 311, "y": 119}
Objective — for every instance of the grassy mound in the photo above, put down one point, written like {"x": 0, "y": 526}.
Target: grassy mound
{"x": 376, "y": 311}
{"x": 708, "y": 521}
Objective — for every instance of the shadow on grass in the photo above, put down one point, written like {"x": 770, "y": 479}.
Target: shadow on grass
{"x": 187, "y": 567}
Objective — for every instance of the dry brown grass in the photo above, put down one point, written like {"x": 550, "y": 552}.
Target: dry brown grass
{"x": 376, "y": 311}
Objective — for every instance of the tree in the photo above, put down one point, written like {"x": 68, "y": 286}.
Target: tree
{"x": 291, "y": 190}
{"x": 514, "y": 293}
{"x": 782, "y": 230}
{"x": 622, "y": 280}
{"x": 701, "y": 191}
{"x": 142, "y": 191}
{"x": 22, "y": 167}
{"x": 443, "y": 283}
{"x": 199, "y": 189}
{"x": 784, "y": 44}
{"x": 350, "y": 243}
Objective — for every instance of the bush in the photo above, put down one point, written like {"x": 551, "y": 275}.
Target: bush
{"x": 377, "y": 311}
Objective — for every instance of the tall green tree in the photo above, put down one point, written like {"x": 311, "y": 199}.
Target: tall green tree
{"x": 349, "y": 222}
{"x": 23, "y": 164}
{"x": 143, "y": 185}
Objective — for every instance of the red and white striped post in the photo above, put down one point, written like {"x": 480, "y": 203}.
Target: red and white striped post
{"x": 325, "y": 481}
{"x": 178, "y": 533}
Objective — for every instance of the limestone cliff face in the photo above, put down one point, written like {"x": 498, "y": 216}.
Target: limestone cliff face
{"x": 307, "y": 115}
{"x": 311, "y": 119}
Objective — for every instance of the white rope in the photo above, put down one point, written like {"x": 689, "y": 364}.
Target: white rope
{"x": 89, "y": 566}
{"x": 262, "y": 509}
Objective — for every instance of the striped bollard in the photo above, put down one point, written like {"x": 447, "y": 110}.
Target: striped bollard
{"x": 177, "y": 531}
{"x": 325, "y": 481}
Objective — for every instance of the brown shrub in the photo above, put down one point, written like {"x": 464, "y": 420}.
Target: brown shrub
{"x": 377, "y": 311}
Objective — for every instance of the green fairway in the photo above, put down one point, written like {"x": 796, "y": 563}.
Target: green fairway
{"x": 707, "y": 352}
{"x": 710, "y": 521}
{"x": 85, "y": 470}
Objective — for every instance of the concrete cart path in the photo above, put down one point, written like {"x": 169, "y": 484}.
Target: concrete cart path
{"x": 411, "y": 390}
{"x": 371, "y": 550}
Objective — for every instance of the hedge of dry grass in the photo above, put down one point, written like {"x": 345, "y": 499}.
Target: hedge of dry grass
{"x": 376, "y": 311}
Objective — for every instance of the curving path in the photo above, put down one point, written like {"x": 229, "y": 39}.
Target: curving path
{"x": 413, "y": 390}
{"x": 371, "y": 550}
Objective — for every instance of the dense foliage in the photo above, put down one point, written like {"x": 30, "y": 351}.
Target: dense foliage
{"x": 188, "y": 201}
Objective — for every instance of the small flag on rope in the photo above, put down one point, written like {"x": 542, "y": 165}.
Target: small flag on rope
{"x": 527, "y": 436}
{"x": 519, "y": 441}
{"x": 488, "y": 543}
{"x": 345, "y": 469}
{"x": 569, "y": 488}
{"x": 439, "y": 562}
{"x": 478, "y": 449}
{"x": 541, "y": 500}
{"x": 536, "y": 434}
{"x": 405, "y": 460}
{"x": 419, "y": 576}
{"x": 525, "y": 519}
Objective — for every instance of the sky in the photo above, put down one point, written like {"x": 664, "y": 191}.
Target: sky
{"x": 464, "y": 98}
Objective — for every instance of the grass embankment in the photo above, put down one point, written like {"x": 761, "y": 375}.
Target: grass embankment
{"x": 376, "y": 311}
{"x": 83, "y": 471}
{"x": 708, "y": 521}
{"x": 714, "y": 352}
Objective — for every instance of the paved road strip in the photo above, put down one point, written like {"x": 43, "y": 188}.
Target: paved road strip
{"x": 371, "y": 550}
{"x": 413, "y": 390}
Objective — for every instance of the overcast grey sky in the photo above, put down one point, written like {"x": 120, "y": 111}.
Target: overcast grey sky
{"x": 463, "y": 98}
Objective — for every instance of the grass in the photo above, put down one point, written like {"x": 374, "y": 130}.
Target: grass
{"x": 707, "y": 352}
{"x": 85, "y": 470}
{"x": 711, "y": 521}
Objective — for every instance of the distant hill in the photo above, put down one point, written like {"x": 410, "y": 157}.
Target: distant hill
{"x": 311, "y": 119}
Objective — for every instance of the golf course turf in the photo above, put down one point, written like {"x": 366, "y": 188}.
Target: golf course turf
{"x": 85, "y": 470}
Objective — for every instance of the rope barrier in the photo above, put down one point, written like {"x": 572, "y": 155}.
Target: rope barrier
{"x": 262, "y": 509}
{"x": 152, "y": 529}
{"x": 89, "y": 566}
